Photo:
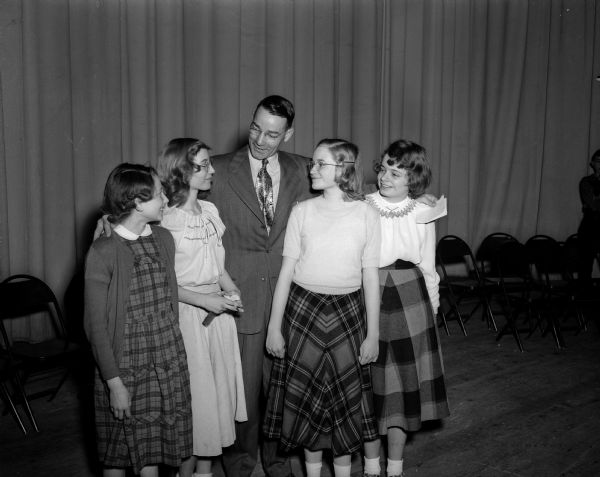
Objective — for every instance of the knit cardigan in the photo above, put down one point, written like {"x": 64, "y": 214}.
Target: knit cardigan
{"x": 108, "y": 270}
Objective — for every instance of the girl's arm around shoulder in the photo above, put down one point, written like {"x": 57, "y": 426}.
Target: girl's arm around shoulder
{"x": 372, "y": 213}
{"x": 275, "y": 341}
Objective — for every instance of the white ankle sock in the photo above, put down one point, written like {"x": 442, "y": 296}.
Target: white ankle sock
{"x": 313, "y": 469}
{"x": 341, "y": 470}
{"x": 394, "y": 467}
{"x": 372, "y": 466}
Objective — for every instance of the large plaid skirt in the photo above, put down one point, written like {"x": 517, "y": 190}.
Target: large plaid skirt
{"x": 153, "y": 367}
{"x": 408, "y": 376}
{"x": 320, "y": 396}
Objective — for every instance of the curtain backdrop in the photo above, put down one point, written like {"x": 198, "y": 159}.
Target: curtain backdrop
{"x": 503, "y": 94}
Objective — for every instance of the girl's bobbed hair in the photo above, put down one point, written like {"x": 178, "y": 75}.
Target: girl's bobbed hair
{"x": 176, "y": 166}
{"x": 349, "y": 177}
{"x": 126, "y": 183}
{"x": 411, "y": 157}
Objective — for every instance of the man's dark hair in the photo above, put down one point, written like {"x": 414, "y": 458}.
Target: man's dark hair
{"x": 278, "y": 106}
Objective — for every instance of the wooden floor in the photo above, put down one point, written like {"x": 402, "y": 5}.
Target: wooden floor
{"x": 535, "y": 413}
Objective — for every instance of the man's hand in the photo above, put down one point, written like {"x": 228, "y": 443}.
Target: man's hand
{"x": 103, "y": 227}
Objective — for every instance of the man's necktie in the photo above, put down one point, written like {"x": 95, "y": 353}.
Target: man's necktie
{"x": 265, "y": 193}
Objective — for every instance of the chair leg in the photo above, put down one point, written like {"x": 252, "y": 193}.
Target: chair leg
{"x": 59, "y": 385}
{"x": 511, "y": 327}
{"x": 534, "y": 315}
{"x": 444, "y": 322}
{"x": 459, "y": 318}
{"x": 461, "y": 323}
{"x": 454, "y": 309}
{"x": 517, "y": 337}
{"x": 21, "y": 390}
{"x": 489, "y": 316}
{"x": 5, "y": 393}
{"x": 551, "y": 326}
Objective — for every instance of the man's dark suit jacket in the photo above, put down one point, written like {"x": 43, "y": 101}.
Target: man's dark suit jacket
{"x": 253, "y": 257}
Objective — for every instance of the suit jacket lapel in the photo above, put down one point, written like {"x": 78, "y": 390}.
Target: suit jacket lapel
{"x": 289, "y": 184}
{"x": 240, "y": 179}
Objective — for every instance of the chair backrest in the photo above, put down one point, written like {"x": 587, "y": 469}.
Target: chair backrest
{"x": 547, "y": 255}
{"x": 513, "y": 261}
{"x": 22, "y": 295}
{"x": 452, "y": 250}
{"x": 488, "y": 251}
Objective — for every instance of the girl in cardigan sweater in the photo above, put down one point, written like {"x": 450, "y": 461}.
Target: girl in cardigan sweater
{"x": 142, "y": 394}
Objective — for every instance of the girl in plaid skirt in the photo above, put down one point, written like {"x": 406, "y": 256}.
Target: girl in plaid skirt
{"x": 408, "y": 376}
{"x": 320, "y": 391}
{"x": 142, "y": 390}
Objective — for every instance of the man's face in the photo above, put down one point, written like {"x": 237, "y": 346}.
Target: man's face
{"x": 266, "y": 133}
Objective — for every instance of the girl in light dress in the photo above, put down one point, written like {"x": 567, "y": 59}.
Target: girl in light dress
{"x": 408, "y": 376}
{"x": 321, "y": 332}
{"x": 142, "y": 389}
{"x": 208, "y": 301}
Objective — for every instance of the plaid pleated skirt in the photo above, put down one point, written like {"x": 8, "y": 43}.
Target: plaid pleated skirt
{"x": 320, "y": 397}
{"x": 153, "y": 367}
{"x": 408, "y": 376}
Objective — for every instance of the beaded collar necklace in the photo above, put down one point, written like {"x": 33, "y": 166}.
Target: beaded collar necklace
{"x": 391, "y": 212}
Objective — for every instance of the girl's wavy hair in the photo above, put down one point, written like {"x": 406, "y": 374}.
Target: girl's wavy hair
{"x": 411, "y": 157}
{"x": 126, "y": 183}
{"x": 176, "y": 166}
{"x": 349, "y": 177}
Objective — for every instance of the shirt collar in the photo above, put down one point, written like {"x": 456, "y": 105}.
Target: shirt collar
{"x": 271, "y": 159}
{"x": 124, "y": 232}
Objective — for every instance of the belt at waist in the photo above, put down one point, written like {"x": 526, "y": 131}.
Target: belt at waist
{"x": 399, "y": 265}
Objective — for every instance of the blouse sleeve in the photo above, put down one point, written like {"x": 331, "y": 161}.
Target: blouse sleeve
{"x": 292, "y": 241}
{"x": 427, "y": 265}
{"x": 372, "y": 249}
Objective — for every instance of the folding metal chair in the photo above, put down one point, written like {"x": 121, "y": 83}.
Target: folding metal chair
{"x": 461, "y": 277}
{"x": 487, "y": 255}
{"x": 22, "y": 295}
{"x": 559, "y": 290}
{"x": 520, "y": 294}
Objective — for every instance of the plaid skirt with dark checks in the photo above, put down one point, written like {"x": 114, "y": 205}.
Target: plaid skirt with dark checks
{"x": 408, "y": 376}
{"x": 153, "y": 367}
{"x": 320, "y": 396}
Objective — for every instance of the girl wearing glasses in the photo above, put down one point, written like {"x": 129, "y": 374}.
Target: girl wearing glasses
{"x": 208, "y": 298}
{"x": 320, "y": 392}
{"x": 408, "y": 379}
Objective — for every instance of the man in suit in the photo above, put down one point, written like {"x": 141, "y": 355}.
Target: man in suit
{"x": 256, "y": 215}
